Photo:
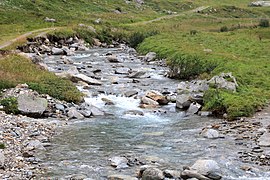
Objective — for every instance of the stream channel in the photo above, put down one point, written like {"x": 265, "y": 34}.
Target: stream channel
{"x": 163, "y": 136}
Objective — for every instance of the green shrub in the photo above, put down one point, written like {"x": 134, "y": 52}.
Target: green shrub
{"x": 138, "y": 37}
{"x": 10, "y": 105}
{"x": 264, "y": 23}
{"x": 193, "y": 32}
{"x": 224, "y": 29}
{"x": 2, "y": 146}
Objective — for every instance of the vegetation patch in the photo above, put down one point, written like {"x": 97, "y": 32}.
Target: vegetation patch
{"x": 10, "y": 105}
{"x": 15, "y": 69}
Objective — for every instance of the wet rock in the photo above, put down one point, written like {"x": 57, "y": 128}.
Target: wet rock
{"x": 113, "y": 58}
{"x": 264, "y": 140}
{"x": 121, "y": 177}
{"x": 148, "y": 101}
{"x": 77, "y": 177}
{"x": 151, "y": 56}
{"x": 31, "y": 105}
{"x": 134, "y": 112}
{"x": 96, "y": 111}
{"x": 73, "y": 113}
{"x": 57, "y": 51}
{"x": 205, "y": 167}
{"x": 172, "y": 174}
{"x": 60, "y": 107}
{"x": 107, "y": 101}
{"x": 122, "y": 70}
{"x": 137, "y": 74}
{"x": 188, "y": 174}
{"x": 182, "y": 101}
{"x": 193, "y": 108}
{"x": 205, "y": 113}
{"x": 158, "y": 97}
{"x": 130, "y": 93}
{"x": 119, "y": 162}
{"x": 82, "y": 77}
{"x": 2, "y": 160}
{"x": 210, "y": 133}
{"x": 152, "y": 174}
{"x": 35, "y": 144}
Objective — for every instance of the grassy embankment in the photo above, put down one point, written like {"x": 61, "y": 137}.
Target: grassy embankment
{"x": 242, "y": 51}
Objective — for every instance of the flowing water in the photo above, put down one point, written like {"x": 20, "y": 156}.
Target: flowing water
{"x": 162, "y": 136}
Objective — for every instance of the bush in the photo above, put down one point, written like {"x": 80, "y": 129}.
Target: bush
{"x": 138, "y": 37}
{"x": 264, "y": 23}
{"x": 10, "y": 105}
{"x": 193, "y": 32}
{"x": 224, "y": 29}
{"x": 2, "y": 146}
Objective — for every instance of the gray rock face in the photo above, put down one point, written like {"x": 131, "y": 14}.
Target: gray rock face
{"x": 152, "y": 174}
{"x": 224, "y": 81}
{"x": 193, "y": 86}
{"x": 130, "y": 93}
{"x": 205, "y": 167}
{"x": 148, "y": 101}
{"x": 2, "y": 160}
{"x": 137, "y": 74}
{"x": 57, "y": 51}
{"x": 31, "y": 105}
{"x": 210, "y": 133}
{"x": 119, "y": 162}
{"x": 264, "y": 140}
{"x": 151, "y": 56}
{"x": 35, "y": 144}
{"x": 73, "y": 113}
{"x": 113, "y": 59}
{"x": 193, "y": 108}
{"x": 182, "y": 101}
{"x": 122, "y": 70}
{"x": 89, "y": 80}
{"x": 96, "y": 111}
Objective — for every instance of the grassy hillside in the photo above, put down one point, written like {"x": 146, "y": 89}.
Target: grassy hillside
{"x": 228, "y": 28}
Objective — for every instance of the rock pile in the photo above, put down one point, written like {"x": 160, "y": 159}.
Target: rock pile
{"x": 190, "y": 94}
{"x": 21, "y": 139}
{"x": 32, "y": 104}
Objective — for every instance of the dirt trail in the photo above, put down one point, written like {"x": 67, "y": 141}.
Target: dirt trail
{"x": 42, "y": 32}
{"x": 172, "y": 16}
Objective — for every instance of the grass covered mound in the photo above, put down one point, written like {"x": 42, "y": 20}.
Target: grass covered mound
{"x": 15, "y": 69}
{"x": 243, "y": 52}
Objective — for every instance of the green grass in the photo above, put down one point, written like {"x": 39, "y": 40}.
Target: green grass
{"x": 15, "y": 69}
{"x": 240, "y": 52}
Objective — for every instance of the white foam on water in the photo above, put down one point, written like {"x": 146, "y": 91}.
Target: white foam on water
{"x": 123, "y": 103}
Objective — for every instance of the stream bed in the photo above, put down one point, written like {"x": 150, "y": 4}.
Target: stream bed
{"x": 162, "y": 136}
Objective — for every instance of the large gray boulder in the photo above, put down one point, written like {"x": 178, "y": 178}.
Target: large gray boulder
{"x": 31, "y": 105}
{"x": 152, "y": 174}
{"x": 73, "y": 113}
{"x": 206, "y": 167}
{"x": 151, "y": 56}
{"x": 183, "y": 101}
{"x": 193, "y": 109}
{"x": 88, "y": 80}
{"x": 224, "y": 81}
{"x": 264, "y": 140}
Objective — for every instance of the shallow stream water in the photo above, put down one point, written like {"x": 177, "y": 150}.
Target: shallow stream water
{"x": 162, "y": 136}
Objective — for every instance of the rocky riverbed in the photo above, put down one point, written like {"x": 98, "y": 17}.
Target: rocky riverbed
{"x": 134, "y": 123}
